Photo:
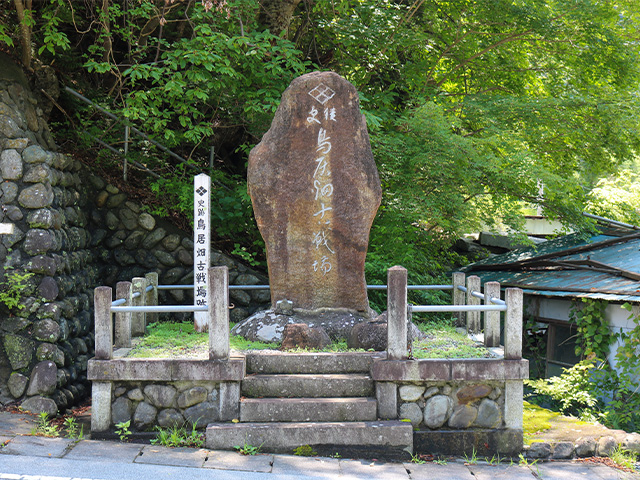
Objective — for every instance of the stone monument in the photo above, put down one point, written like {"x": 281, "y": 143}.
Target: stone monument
{"x": 315, "y": 192}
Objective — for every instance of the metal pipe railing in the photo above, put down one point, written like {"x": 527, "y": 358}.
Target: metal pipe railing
{"x": 457, "y": 308}
{"x": 160, "y": 309}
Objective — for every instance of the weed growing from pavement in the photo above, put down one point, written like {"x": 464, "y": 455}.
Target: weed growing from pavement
{"x": 178, "y": 437}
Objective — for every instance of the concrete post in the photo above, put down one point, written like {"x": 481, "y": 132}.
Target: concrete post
{"x": 229, "y": 401}
{"x": 123, "y": 319}
{"x": 397, "y": 313}
{"x": 219, "y": 313}
{"x": 103, "y": 325}
{"x": 473, "y": 318}
{"x": 138, "y": 321}
{"x": 459, "y": 296}
{"x": 101, "y": 405}
{"x": 513, "y": 404}
{"x": 387, "y": 397}
{"x": 491, "y": 319}
{"x": 513, "y": 324}
{"x": 152, "y": 296}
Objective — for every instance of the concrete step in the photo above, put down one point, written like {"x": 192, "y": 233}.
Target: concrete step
{"x": 303, "y": 386}
{"x": 282, "y": 362}
{"x": 350, "y": 409}
{"x": 379, "y": 439}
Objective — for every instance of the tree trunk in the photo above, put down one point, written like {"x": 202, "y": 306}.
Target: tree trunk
{"x": 25, "y": 31}
{"x": 276, "y": 15}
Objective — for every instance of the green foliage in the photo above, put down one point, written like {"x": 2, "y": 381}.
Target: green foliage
{"x": 123, "y": 431}
{"x": 247, "y": 449}
{"x": 14, "y": 286}
{"x": 443, "y": 341}
{"x": 304, "y": 451}
{"x": 44, "y": 427}
{"x": 624, "y": 458}
{"x": 571, "y": 392}
{"x": 73, "y": 431}
{"x": 618, "y": 195}
{"x": 535, "y": 346}
{"x": 178, "y": 437}
{"x": 594, "y": 336}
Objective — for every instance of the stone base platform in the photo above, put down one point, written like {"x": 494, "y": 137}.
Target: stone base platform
{"x": 481, "y": 442}
{"x": 379, "y": 439}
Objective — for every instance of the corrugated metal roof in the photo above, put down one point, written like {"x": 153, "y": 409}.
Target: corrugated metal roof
{"x": 604, "y": 267}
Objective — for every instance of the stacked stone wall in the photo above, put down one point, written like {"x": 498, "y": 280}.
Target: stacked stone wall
{"x": 73, "y": 231}
{"x": 435, "y": 405}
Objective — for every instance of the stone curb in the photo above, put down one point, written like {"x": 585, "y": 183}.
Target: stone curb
{"x": 602, "y": 446}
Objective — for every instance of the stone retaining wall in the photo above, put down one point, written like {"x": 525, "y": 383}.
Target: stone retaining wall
{"x": 73, "y": 232}
{"x": 436, "y": 405}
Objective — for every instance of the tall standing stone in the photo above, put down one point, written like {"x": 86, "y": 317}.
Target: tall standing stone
{"x": 315, "y": 191}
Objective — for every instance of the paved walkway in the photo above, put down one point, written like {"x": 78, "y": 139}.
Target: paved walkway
{"x": 25, "y": 457}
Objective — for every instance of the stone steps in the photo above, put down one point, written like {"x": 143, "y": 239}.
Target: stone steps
{"x": 378, "y": 439}
{"x": 308, "y": 363}
{"x": 308, "y": 385}
{"x": 350, "y": 409}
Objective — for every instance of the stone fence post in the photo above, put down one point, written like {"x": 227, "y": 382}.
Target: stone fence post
{"x": 491, "y": 319}
{"x": 218, "y": 313}
{"x": 102, "y": 322}
{"x": 397, "y": 313}
{"x": 513, "y": 324}
{"x": 473, "y": 318}
{"x": 101, "y": 391}
{"x": 123, "y": 319}
{"x": 513, "y": 394}
{"x": 152, "y": 296}
{"x": 458, "y": 280}
{"x": 138, "y": 319}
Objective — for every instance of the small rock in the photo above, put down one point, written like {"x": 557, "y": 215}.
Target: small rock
{"x": 36, "y": 154}
{"x": 489, "y": 415}
{"x": 437, "y": 410}
{"x": 43, "y": 379}
{"x": 411, "y": 393}
{"x": 606, "y": 446}
{"x": 431, "y": 391}
{"x": 146, "y": 221}
{"x": 412, "y": 412}
{"x": 463, "y": 416}
{"x": 586, "y": 447}
{"x": 300, "y": 335}
{"x": 472, "y": 392}
{"x": 40, "y": 404}
{"x": 121, "y": 410}
{"x": 17, "y": 384}
{"x": 563, "y": 450}
{"x": 161, "y": 396}
{"x": 632, "y": 443}
{"x": 539, "y": 450}
{"x": 36, "y": 196}
{"x": 144, "y": 416}
{"x": 192, "y": 396}
{"x": 169, "y": 418}
{"x": 10, "y": 165}
{"x": 202, "y": 414}
{"x": 136, "y": 395}
{"x": 368, "y": 336}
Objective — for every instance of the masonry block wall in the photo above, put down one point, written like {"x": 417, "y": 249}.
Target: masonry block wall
{"x": 73, "y": 231}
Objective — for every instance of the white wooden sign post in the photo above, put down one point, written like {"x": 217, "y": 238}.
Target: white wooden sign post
{"x": 201, "y": 247}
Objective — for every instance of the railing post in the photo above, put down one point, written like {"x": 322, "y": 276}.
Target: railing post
{"x": 123, "y": 319}
{"x": 138, "y": 320}
{"x": 396, "y": 313}
{"x": 458, "y": 296}
{"x": 513, "y": 324}
{"x": 152, "y": 296}
{"x": 491, "y": 319}
{"x": 218, "y": 314}
{"x": 102, "y": 321}
{"x": 473, "y": 318}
